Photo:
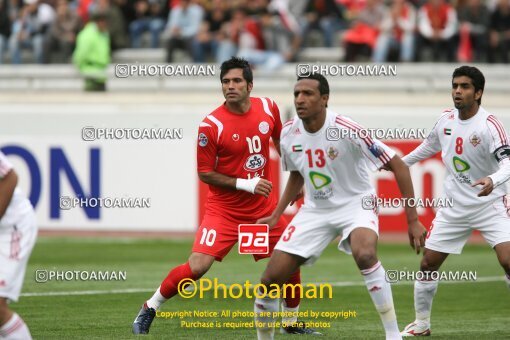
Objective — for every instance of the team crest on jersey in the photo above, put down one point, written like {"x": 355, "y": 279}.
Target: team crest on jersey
{"x": 332, "y": 152}
{"x": 264, "y": 127}
{"x": 255, "y": 162}
{"x": 235, "y": 137}
{"x": 474, "y": 139}
{"x": 202, "y": 140}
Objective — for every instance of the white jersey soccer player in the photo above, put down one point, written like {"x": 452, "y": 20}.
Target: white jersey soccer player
{"x": 18, "y": 233}
{"x": 336, "y": 178}
{"x": 470, "y": 149}
{"x": 339, "y": 200}
{"x": 475, "y": 149}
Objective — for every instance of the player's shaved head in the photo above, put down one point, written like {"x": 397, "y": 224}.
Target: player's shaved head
{"x": 323, "y": 82}
{"x": 474, "y": 74}
{"x": 234, "y": 63}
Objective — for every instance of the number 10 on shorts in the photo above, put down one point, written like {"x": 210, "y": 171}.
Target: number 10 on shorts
{"x": 253, "y": 239}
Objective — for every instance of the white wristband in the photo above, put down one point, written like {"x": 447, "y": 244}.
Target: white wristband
{"x": 247, "y": 184}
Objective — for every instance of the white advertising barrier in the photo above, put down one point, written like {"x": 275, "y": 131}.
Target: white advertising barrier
{"x": 142, "y": 183}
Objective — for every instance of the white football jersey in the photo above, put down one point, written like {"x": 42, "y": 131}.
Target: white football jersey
{"x": 19, "y": 205}
{"x": 468, "y": 149}
{"x": 333, "y": 161}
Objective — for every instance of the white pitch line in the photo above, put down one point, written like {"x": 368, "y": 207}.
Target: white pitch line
{"x": 91, "y": 292}
{"x": 334, "y": 284}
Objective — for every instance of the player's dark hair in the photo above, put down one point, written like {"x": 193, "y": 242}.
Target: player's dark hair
{"x": 474, "y": 74}
{"x": 236, "y": 62}
{"x": 323, "y": 82}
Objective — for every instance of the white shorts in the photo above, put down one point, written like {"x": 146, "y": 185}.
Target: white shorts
{"x": 16, "y": 243}
{"x": 311, "y": 230}
{"x": 453, "y": 225}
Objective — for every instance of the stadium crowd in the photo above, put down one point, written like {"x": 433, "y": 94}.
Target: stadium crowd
{"x": 266, "y": 32}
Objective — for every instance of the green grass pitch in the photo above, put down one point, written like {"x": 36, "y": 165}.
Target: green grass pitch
{"x": 105, "y": 310}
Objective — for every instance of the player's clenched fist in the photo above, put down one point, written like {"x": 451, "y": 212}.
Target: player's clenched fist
{"x": 257, "y": 185}
{"x": 263, "y": 187}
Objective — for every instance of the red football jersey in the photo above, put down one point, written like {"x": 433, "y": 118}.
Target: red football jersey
{"x": 238, "y": 146}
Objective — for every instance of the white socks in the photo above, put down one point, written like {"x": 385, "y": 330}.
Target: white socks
{"x": 380, "y": 292}
{"x": 507, "y": 280}
{"x": 15, "y": 329}
{"x": 424, "y": 292}
{"x": 287, "y": 319}
{"x": 265, "y": 324}
{"x": 156, "y": 300}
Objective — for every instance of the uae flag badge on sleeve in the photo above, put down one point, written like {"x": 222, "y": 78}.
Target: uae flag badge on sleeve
{"x": 447, "y": 132}
{"x": 297, "y": 148}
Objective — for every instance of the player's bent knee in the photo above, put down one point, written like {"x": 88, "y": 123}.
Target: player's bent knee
{"x": 268, "y": 279}
{"x": 428, "y": 264}
{"x": 200, "y": 264}
{"x": 505, "y": 263}
{"x": 365, "y": 258}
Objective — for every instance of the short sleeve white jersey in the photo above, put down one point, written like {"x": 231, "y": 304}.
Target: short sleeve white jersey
{"x": 333, "y": 161}
{"x": 471, "y": 149}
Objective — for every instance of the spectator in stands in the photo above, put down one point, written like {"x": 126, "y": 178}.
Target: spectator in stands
{"x": 29, "y": 29}
{"x": 500, "y": 33}
{"x": 5, "y": 28}
{"x": 252, "y": 44}
{"x": 437, "y": 26}
{"x": 128, "y": 9}
{"x": 396, "y": 32}
{"x": 61, "y": 38}
{"x": 474, "y": 19}
{"x": 183, "y": 24}
{"x": 228, "y": 36}
{"x": 255, "y": 8}
{"x": 92, "y": 53}
{"x": 361, "y": 38}
{"x": 148, "y": 19}
{"x": 207, "y": 39}
{"x": 116, "y": 24}
{"x": 323, "y": 15}
{"x": 279, "y": 36}
{"x": 83, "y": 8}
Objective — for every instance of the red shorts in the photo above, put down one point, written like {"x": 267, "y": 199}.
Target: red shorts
{"x": 217, "y": 235}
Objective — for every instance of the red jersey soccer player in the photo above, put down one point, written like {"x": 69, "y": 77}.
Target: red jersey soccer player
{"x": 233, "y": 158}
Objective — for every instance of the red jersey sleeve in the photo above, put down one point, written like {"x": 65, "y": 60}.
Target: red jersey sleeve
{"x": 277, "y": 130}
{"x": 206, "y": 147}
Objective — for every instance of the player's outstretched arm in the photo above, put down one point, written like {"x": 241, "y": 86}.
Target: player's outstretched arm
{"x": 293, "y": 187}
{"x": 416, "y": 230}
{"x": 428, "y": 148}
{"x": 7, "y": 185}
{"x": 423, "y": 151}
{"x": 254, "y": 185}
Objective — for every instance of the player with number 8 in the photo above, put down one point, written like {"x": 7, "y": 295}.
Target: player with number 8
{"x": 475, "y": 151}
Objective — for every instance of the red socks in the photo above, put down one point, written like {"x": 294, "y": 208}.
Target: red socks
{"x": 293, "y": 302}
{"x": 170, "y": 283}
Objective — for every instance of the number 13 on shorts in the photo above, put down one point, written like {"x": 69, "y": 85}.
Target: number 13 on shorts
{"x": 253, "y": 239}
